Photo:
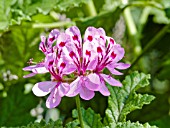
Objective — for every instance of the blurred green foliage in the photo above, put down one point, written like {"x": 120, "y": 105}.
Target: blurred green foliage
{"x": 137, "y": 24}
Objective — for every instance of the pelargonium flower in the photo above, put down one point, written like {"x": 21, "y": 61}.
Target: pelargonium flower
{"x": 56, "y": 87}
{"x": 90, "y": 57}
{"x": 76, "y": 66}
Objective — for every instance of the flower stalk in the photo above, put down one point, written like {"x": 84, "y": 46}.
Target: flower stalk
{"x": 79, "y": 111}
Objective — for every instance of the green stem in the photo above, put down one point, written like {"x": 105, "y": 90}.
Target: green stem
{"x": 132, "y": 30}
{"x": 90, "y": 8}
{"x": 151, "y": 43}
{"x": 53, "y": 25}
{"x": 143, "y": 18}
{"x": 79, "y": 111}
{"x": 144, "y": 4}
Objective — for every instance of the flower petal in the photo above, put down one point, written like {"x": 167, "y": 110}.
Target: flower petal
{"x": 103, "y": 89}
{"x": 91, "y": 86}
{"x": 29, "y": 75}
{"x": 54, "y": 99}
{"x": 43, "y": 88}
{"x": 92, "y": 82}
{"x": 94, "y": 78}
{"x": 86, "y": 94}
{"x": 63, "y": 88}
{"x": 111, "y": 80}
{"x": 113, "y": 70}
{"x": 122, "y": 65}
{"x": 40, "y": 70}
{"x": 74, "y": 87}
{"x": 75, "y": 34}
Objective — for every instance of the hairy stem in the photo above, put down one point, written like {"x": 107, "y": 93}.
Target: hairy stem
{"x": 90, "y": 8}
{"x": 132, "y": 30}
{"x": 53, "y": 25}
{"x": 79, "y": 111}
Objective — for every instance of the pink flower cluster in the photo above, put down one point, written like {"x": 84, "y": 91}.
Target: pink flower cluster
{"x": 76, "y": 66}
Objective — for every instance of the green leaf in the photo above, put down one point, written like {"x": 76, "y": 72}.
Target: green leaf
{"x": 90, "y": 119}
{"x": 64, "y": 5}
{"x": 43, "y": 124}
{"x": 73, "y": 124}
{"x": 129, "y": 124}
{"x": 16, "y": 107}
{"x": 124, "y": 100}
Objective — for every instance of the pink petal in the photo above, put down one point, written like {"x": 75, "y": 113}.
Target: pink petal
{"x": 92, "y": 64}
{"x": 40, "y": 70}
{"x": 29, "y": 68}
{"x": 113, "y": 70}
{"x": 43, "y": 88}
{"x": 70, "y": 68}
{"x": 29, "y": 75}
{"x": 103, "y": 89}
{"x": 122, "y": 65}
{"x": 54, "y": 99}
{"x": 75, "y": 34}
{"x": 86, "y": 94}
{"x": 119, "y": 51}
{"x": 74, "y": 87}
{"x": 94, "y": 78}
{"x": 63, "y": 89}
{"x": 63, "y": 37}
{"x": 92, "y": 82}
{"x": 111, "y": 80}
{"x": 90, "y": 85}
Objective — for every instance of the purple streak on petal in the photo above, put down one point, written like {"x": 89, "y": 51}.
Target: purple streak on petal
{"x": 54, "y": 99}
{"x": 74, "y": 87}
{"x": 92, "y": 64}
{"x": 29, "y": 75}
{"x": 63, "y": 89}
{"x": 103, "y": 89}
{"x": 86, "y": 94}
{"x": 43, "y": 88}
{"x": 110, "y": 80}
{"x": 122, "y": 65}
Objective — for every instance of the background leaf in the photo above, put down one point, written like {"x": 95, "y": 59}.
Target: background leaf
{"x": 124, "y": 100}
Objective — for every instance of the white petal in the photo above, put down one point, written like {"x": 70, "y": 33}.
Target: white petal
{"x": 43, "y": 88}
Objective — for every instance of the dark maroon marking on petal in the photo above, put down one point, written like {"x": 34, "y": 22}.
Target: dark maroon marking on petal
{"x": 90, "y": 38}
{"x": 113, "y": 55}
{"x": 51, "y": 63}
{"x": 112, "y": 41}
{"x": 62, "y": 44}
{"x": 51, "y": 39}
{"x": 63, "y": 65}
{"x": 71, "y": 54}
{"x": 75, "y": 37}
{"x": 88, "y": 53}
{"x": 99, "y": 50}
{"x": 102, "y": 37}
